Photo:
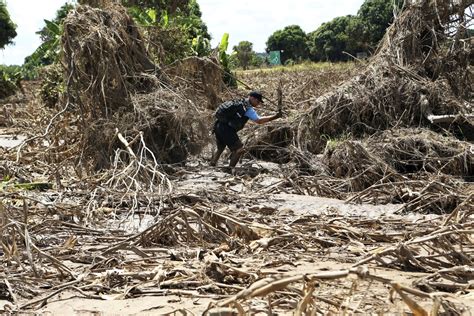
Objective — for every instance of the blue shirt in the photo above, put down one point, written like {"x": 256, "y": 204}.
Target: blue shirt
{"x": 251, "y": 114}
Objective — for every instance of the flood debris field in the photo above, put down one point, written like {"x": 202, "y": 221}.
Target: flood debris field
{"x": 359, "y": 201}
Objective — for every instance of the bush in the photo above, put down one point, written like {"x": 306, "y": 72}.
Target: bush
{"x": 52, "y": 86}
{"x": 9, "y": 80}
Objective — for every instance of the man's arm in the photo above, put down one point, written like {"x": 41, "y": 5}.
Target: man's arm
{"x": 262, "y": 120}
{"x": 266, "y": 119}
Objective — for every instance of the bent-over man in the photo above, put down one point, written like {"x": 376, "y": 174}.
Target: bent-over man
{"x": 231, "y": 116}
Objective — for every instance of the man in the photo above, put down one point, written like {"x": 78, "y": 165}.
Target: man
{"x": 231, "y": 117}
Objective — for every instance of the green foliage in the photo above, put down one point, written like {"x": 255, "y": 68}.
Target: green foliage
{"x": 201, "y": 46}
{"x": 175, "y": 28}
{"x": 229, "y": 79}
{"x": 331, "y": 39}
{"x": 244, "y": 54}
{"x": 52, "y": 85}
{"x": 257, "y": 61}
{"x": 7, "y": 27}
{"x": 10, "y": 77}
{"x": 353, "y": 34}
{"x": 148, "y": 17}
{"x": 291, "y": 41}
{"x": 47, "y": 53}
{"x": 190, "y": 22}
{"x": 170, "y": 6}
{"x": 48, "y": 33}
{"x": 356, "y": 41}
{"x": 375, "y": 16}
{"x": 49, "y": 50}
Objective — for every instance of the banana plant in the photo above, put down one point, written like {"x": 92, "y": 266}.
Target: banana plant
{"x": 229, "y": 79}
{"x": 149, "y": 17}
{"x": 52, "y": 47}
{"x": 47, "y": 53}
{"x": 200, "y": 45}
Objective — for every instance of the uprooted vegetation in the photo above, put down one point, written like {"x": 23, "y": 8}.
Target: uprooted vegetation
{"x": 135, "y": 212}
{"x": 113, "y": 87}
{"x": 409, "y": 112}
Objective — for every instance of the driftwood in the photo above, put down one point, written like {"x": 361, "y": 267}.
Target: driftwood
{"x": 449, "y": 118}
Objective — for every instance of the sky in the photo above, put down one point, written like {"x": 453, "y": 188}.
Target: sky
{"x": 244, "y": 20}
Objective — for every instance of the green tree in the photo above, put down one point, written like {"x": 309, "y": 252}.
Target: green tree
{"x": 189, "y": 20}
{"x": 257, "y": 61}
{"x": 291, "y": 41}
{"x": 244, "y": 53}
{"x": 353, "y": 34}
{"x": 331, "y": 39}
{"x": 374, "y": 17}
{"x": 7, "y": 27}
{"x": 170, "y": 6}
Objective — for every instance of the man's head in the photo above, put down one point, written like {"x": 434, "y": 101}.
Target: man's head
{"x": 255, "y": 98}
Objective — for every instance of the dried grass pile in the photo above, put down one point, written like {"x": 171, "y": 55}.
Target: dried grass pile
{"x": 422, "y": 67}
{"x": 422, "y": 150}
{"x": 105, "y": 59}
{"x": 200, "y": 79}
{"x": 351, "y": 160}
{"x": 114, "y": 89}
{"x": 417, "y": 167}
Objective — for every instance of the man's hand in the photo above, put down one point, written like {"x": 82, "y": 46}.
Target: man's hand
{"x": 269, "y": 118}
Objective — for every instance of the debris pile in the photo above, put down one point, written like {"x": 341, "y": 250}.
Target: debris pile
{"x": 113, "y": 87}
{"x": 405, "y": 82}
{"x": 127, "y": 220}
{"x": 400, "y": 125}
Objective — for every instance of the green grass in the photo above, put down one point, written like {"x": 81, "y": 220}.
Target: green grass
{"x": 301, "y": 67}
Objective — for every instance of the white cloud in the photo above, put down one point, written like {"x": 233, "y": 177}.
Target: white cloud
{"x": 249, "y": 20}
{"x": 28, "y": 15}
{"x": 256, "y": 20}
